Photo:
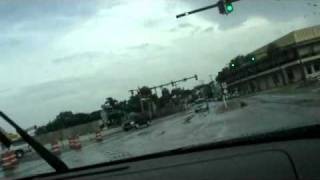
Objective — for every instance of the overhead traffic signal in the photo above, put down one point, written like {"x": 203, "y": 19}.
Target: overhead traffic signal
{"x": 228, "y": 6}
{"x": 225, "y": 6}
{"x": 251, "y": 58}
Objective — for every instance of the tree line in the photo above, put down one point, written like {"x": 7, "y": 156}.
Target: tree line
{"x": 118, "y": 109}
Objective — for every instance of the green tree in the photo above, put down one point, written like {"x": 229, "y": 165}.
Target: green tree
{"x": 165, "y": 93}
{"x": 134, "y": 104}
{"x": 41, "y": 130}
{"x": 145, "y": 91}
{"x": 111, "y": 102}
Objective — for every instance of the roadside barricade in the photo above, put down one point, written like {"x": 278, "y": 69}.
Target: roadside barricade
{"x": 74, "y": 143}
{"x": 98, "y": 136}
{"x": 55, "y": 148}
{"x": 9, "y": 160}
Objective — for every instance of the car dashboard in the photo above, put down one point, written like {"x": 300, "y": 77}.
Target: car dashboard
{"x": 293, "y": 159}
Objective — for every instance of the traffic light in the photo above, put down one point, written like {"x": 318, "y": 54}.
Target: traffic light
{"x": 196, "y": 77}
{"x": 225, "y": 6}
{"x": 221, "y": 7}
{"x": 251, "y": 58}
{"x": 229, "y": 6}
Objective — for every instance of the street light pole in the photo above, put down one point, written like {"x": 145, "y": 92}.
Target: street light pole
{"x": 224, "y": 93}
{"x": 212, "y": 85}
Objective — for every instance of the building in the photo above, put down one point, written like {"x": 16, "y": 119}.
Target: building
{"x": 292, "y": 58}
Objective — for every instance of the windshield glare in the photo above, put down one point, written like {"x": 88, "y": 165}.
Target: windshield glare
{"x": 98, "y": 81}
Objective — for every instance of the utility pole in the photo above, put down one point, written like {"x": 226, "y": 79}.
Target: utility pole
{"x": 212, "y": 85}
{"x": 224, "y": 93}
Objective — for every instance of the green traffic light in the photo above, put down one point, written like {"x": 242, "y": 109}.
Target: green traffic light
{"x": 229, "y": 8}
{"x": 232, "y": 65}
{"x": 253, "y": 59}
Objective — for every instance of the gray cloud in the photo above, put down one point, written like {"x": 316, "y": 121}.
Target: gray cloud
{"x": 86, "y": 56}
{"x": 185, "y": 25}
{"x": 152, "y": 23}
{"x": 148, "y": 47}
{"x": 209, "y": 29}
{"x": 9, "y": 42}
{"x": 5, "y": 90}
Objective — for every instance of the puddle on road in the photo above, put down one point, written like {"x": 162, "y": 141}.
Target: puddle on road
{"x": 161, "y": 133}
{"x": 188, "y": 119}
{"x": 143, "y": 133}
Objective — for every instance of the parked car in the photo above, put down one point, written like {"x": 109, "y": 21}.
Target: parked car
{"x": 136, "y": 121}
{"x": 128, "y": 124}
{"x": 201, "y": 107}
{"x": 20, "y": 148}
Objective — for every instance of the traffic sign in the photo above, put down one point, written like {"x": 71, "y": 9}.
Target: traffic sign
{"x": 224, "y": 85}
{"x": 225, "y": 91}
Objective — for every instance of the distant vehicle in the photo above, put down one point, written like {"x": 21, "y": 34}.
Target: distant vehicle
{"x": 200, "y": 100}
{"x": 128, "y": 124}
{"x": 20, "y": 148}
{"x": 201, "y": 107}
{"x": 135, "y": 121}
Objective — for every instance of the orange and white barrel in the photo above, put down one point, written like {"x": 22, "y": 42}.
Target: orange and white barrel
{"x": 77, "y": 144}
{"x": 55, "y": 147}
{"x": 9, "y": 160}
{"x": 71, "y": 142}
{"x": 98, "y": 136}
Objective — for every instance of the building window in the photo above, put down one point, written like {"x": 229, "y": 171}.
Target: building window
{"x": 309, "y": 70}
{"x": 316, "y": 48}
{"x": 305, "y": 51}
{"x": 275, "y": 79}
{"x": 316, "y": 66}
{"x": 290, "y": 75}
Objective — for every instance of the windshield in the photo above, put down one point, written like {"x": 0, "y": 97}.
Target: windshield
{"x": 74, "y": 74}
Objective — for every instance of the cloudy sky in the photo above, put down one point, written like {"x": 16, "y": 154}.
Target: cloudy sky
{"x": 61, "y": 55}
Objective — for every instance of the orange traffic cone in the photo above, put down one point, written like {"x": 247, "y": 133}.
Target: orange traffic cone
{"x": 55, "y": 148}
{"x": 9, "y": 160}
{"x": 77, "y": 144}
{"x": 98, "y": 136}
{"x": 71, "y": 142}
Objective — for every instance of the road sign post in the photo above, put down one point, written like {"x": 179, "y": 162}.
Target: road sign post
{"x": 225, "y": 91}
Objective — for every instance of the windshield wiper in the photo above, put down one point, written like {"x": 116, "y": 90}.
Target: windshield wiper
{"x": 5, "y": 140}
{"x": 50, "y": 158}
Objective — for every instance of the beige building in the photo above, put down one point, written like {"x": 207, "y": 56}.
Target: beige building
{"x": 298, "y": 59}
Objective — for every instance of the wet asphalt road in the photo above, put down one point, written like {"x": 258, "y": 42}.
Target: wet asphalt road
{"x": 264, "y": 113}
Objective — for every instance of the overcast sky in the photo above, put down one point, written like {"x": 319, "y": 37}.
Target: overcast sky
{"x": 59, "y": 55}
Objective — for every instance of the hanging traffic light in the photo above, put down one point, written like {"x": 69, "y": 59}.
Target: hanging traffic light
{"x": 225, "y": 6}
{"x": 251, "y": 58}
{"x": 228, "y": 6}
{"x": 196, "y": 77}
{"x": 221, "y": 7}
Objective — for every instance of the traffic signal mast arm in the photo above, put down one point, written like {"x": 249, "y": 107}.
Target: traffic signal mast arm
{"x": 197, "y": 10}
{"x": 208, "y": 7}
{"x": 167, "y": 84}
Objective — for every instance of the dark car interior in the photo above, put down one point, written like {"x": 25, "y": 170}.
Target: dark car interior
{"x": 292, "y": 154}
